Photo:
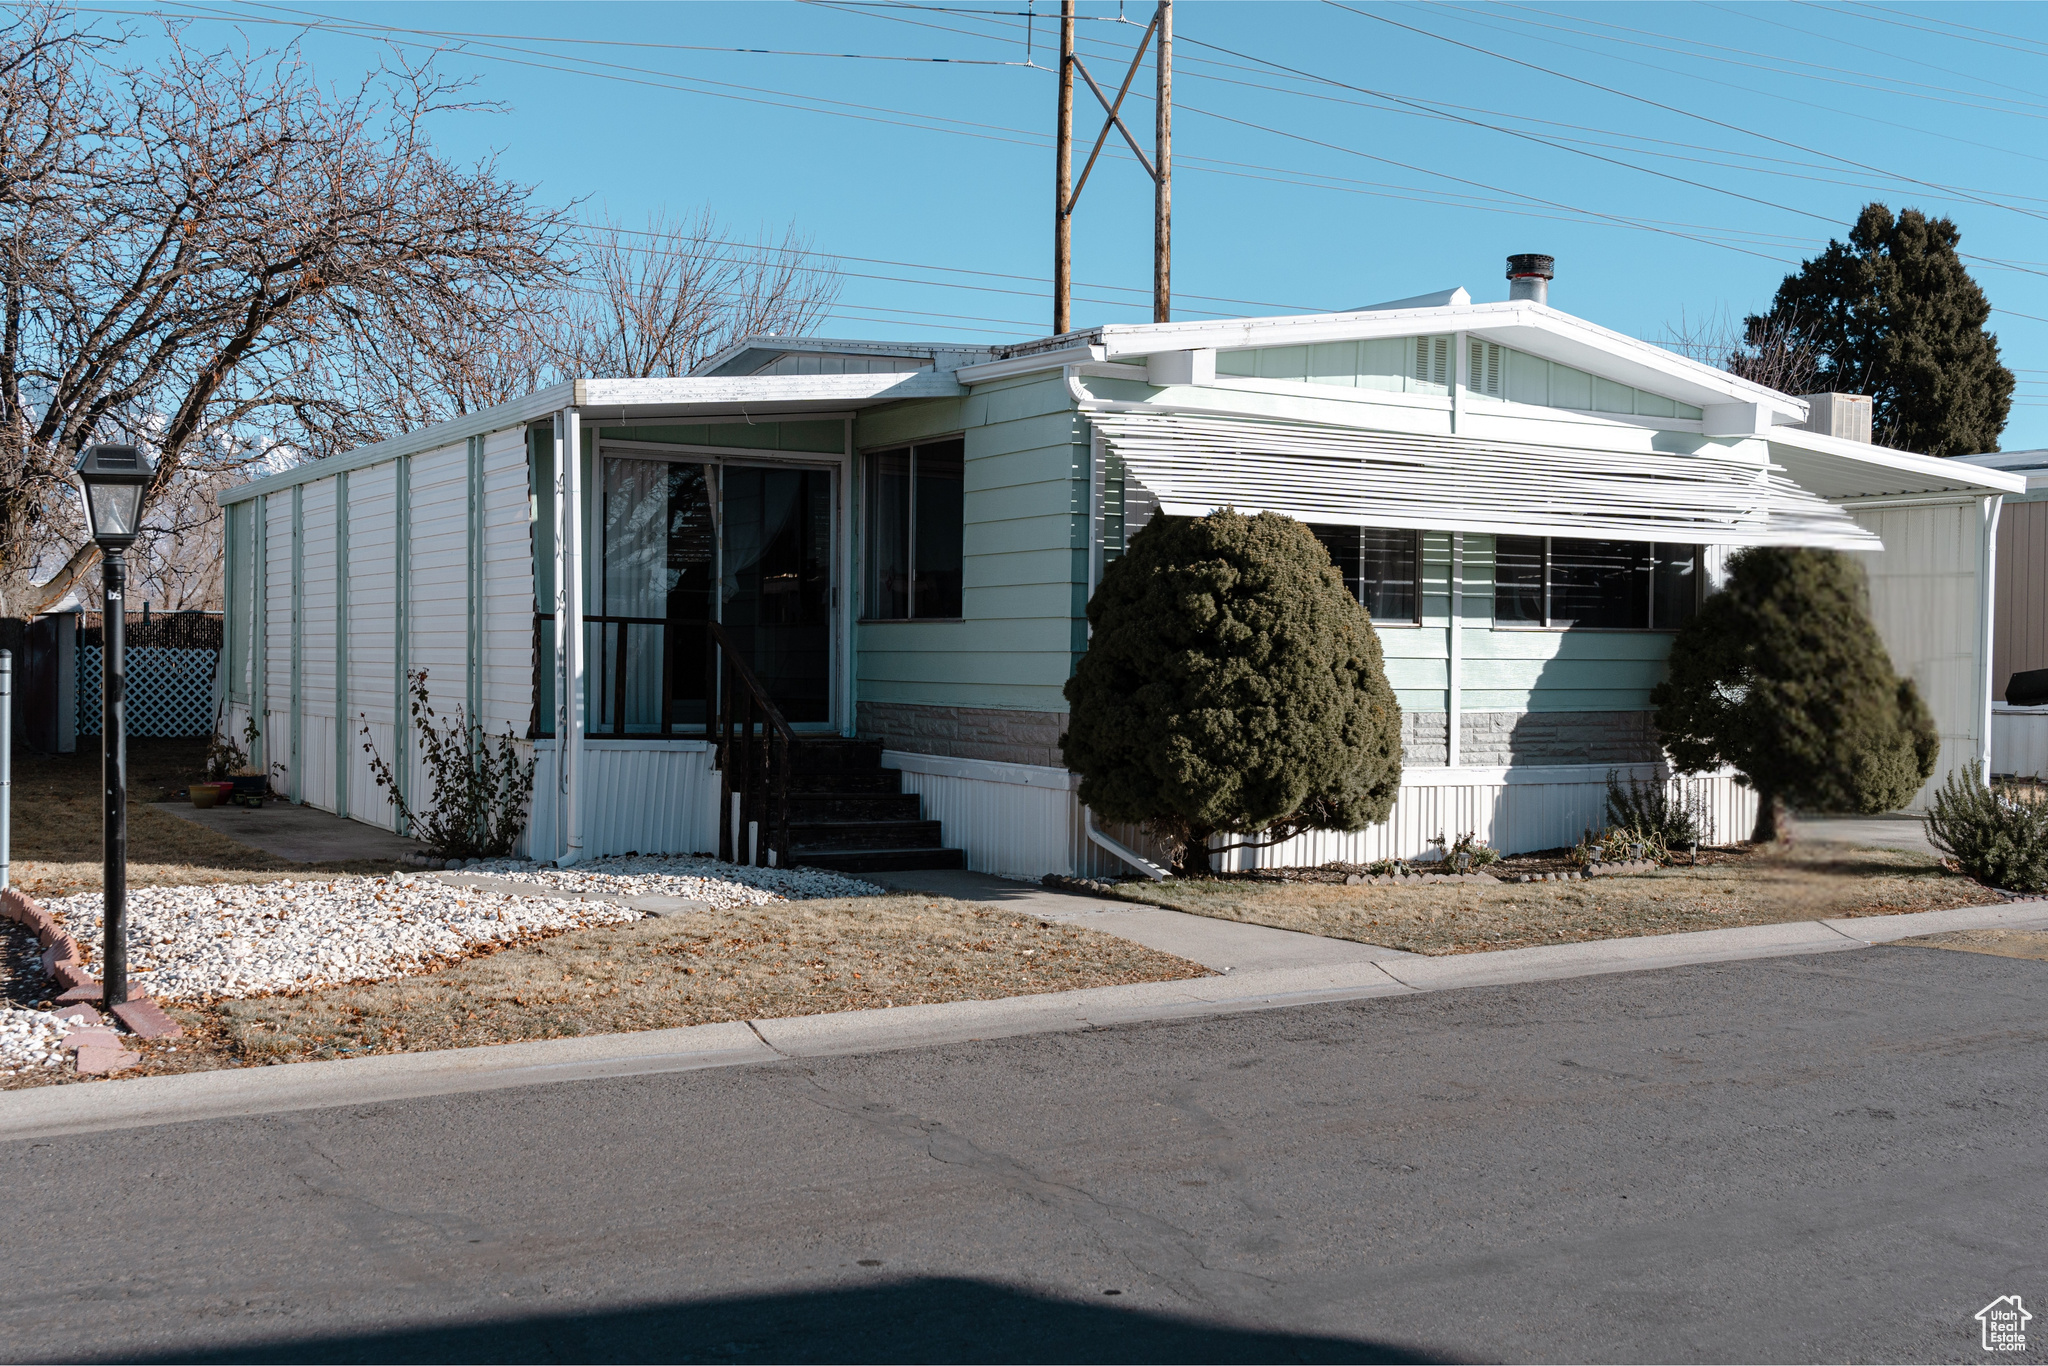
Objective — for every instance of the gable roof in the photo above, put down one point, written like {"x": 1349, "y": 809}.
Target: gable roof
{"x": 1522, "y": 324}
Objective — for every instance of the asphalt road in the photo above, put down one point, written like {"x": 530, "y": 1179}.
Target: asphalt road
{"x": 1836, "y": 1157}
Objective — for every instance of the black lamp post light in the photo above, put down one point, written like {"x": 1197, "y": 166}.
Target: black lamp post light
{"x": 114, "y": 478}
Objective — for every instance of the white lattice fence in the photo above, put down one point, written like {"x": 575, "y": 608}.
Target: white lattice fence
{"x": 170, "y": 692}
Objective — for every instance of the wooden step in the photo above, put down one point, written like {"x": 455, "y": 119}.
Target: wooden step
{"x": 808, "y": 807}
{"x": 883, "y": 860}
{"x": 877, "y": 781}
{"x": 835, "y": 756}
{"x": 809, "y": 837}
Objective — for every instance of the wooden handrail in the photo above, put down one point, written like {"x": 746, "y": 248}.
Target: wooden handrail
{"x": 757, "y": 773}
{"x": 769, "y": 710}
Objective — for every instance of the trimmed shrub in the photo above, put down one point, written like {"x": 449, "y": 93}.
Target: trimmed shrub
{"x": 1998, "y": 840}
{"x": 1232, "y": 686}
{"x": 1782, "y": 676}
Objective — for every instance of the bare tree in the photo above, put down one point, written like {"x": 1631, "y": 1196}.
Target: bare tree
{"x": 201, "y": 255}
{"x": 638, "y": 303}
{"x": 1769, "y": 351}
{"x": 658, "y": 301}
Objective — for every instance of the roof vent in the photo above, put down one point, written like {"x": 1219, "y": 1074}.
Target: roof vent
{"x": 1529, "y": 276}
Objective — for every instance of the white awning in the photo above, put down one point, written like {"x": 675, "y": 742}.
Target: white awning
{"x": 1196, "y": 463}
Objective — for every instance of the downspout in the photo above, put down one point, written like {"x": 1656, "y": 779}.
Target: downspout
{"x": 1138, "y": 861}
{"x": 569, "y": 632}
{"x": 1988, "y": 509}
{"x": 1095, "y": 836}
{"x": 1454, "y": 701}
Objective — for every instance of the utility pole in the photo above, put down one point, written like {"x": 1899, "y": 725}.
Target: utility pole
{"x": 1159, "y": 165}
{"x": 1162, "y": 173}
{"x": 1063, "y": 207}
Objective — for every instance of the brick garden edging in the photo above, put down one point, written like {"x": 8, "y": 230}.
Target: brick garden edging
{"x": 97, "y": 1050}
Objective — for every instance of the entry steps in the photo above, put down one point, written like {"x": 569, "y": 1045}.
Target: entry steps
{"x": 849, "y": 814}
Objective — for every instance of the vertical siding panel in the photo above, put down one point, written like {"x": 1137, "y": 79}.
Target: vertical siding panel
{"x": 372, "y": 622}
{"x": 277, "y": 639}
{"x": 439, "y": 588}
{"x": 316, "y": 678}
{"x": 508, "y": 585}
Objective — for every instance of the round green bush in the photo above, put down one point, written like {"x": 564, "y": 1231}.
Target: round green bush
{"x": 1232, "y": 685}
{"x": 1782, "y": 676}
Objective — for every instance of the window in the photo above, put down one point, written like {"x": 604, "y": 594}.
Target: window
{"x": 1382, "y": 568}
{"x": 1597, "y": 585}
{"x": 915, "y": 521}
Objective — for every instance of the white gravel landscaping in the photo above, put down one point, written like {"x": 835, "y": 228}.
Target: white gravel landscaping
{"x": 204, "y": 943}
{"x": 201, "y": 943}
{"x": 31, "y": 1039}
{"x": 678, "y": 875}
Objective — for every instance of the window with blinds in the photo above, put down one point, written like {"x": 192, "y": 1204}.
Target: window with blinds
{"x": 1382, "y": 568}
{"x": 1596, "y": 585}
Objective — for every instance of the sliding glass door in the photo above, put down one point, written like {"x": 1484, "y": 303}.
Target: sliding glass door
{"x": 680, "y": 543}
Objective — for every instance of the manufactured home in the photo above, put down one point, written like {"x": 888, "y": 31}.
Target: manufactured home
{"x": 874, "y": 559}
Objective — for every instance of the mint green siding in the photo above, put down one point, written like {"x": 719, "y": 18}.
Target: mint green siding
{"x": 1026, "y": 573}
{"x": 1025, "y": 570}
{"x": 1420, "y": 365}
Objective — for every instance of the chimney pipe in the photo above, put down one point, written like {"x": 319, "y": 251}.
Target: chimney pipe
{"x": 1529, "y": 277}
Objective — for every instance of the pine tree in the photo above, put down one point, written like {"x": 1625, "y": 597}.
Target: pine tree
{"x": 1782, "y": 676}
{"x": 1232, "y": 685}
{"x": 1893, "y": 314}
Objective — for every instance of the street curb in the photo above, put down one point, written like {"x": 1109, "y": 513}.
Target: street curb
{"x": 52, "y": 1111}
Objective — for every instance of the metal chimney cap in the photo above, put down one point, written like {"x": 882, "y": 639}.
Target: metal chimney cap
{"x": 1530, "y": 264}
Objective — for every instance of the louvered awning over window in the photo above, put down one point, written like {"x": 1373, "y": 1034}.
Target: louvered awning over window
{"x": 1195, "y": 463}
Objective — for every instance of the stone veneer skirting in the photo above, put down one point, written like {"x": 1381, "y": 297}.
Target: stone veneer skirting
{"x": 1009, "y": 737}
{"x": 1503, "y": 739}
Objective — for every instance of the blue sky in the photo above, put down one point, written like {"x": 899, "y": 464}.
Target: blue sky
{"x": 1677, "y": 158}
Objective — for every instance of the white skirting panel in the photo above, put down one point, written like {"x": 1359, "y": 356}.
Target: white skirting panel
{"x": 1019, "y": 820}
{"x": 639, "y": 797}
{"x": 1012, "y": 820}
{"x": 2019, "y": 741}
{"x": 367, "y": 801}
{"x": 1513, "y": 811}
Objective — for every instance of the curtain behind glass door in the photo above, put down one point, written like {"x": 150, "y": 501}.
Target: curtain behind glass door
{"x": 655, "y": 564}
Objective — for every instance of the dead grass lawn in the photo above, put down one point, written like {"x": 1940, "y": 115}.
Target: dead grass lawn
{"x": 1763, "y": 887}
{"x": 57, "y": 821}
{"x": 795, "y": 958}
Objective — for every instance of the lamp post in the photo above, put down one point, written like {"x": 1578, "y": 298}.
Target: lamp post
{"x": 113, "y": 478}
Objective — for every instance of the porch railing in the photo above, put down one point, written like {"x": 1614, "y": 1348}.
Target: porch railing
{"x": 752, "y": 754}
{"x": 750, "y": 738}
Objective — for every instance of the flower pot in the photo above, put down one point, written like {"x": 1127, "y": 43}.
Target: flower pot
{"x": 248, "y": 790}
{"x": 203, "y": 795}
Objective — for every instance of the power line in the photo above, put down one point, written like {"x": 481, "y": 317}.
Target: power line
{"x": 1673, "y": 109}
{"x": 1776, "y": 70}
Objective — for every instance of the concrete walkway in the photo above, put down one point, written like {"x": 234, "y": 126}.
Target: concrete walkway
{"x": 50, "y": 1111}
{"x": 1223, "y": 945}
{"x": 300, "y": 833}
{"x": 1882, "y": 832}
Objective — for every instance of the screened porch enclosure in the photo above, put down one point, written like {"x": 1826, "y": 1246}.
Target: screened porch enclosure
{"x": 675, "y": 541}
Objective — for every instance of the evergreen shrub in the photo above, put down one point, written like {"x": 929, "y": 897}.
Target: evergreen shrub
{"x": 1782, "y": 676}
{"x": 1997, "y": 839}
{"x": 1232, "y": 685}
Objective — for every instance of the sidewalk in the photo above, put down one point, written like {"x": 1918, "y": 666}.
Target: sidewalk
{"x": 51, "y": 1111}
{"x": 300, "y": 833}
{"x": 1223, "y": 945}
